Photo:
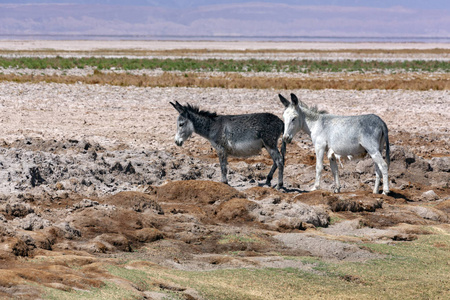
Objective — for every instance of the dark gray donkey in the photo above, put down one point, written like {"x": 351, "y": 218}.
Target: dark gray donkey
{"x": 234, "y": 135}
{"x": 341, "y": 136}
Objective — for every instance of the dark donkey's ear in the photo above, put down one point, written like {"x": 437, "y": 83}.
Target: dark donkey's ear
{"x": 284, "y": 100}
{"x": 177, "y": 106}
{"x": 294, "y": 99}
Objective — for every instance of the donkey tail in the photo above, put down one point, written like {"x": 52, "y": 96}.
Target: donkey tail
{"x": 386, "y": 141}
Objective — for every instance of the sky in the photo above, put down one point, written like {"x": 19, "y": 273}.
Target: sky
{"x": 283, "y": 18}
{"x": 417, "y": 4}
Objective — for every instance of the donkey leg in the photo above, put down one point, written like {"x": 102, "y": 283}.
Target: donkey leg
{"x": 280, "y": 170}
{"x": 335, "y": 171}
{"x": 376, "y": 188}
{"x": 223, "y": 165}
{"x": 319, "y": 166}
{"x": 277, "y": 163}
{"x": 384, "y": 170}
{"x": 382, "y": 165}
{"x": 270, "y": 175}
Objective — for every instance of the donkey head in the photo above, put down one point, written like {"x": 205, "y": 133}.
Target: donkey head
{"x": 185, "y": 127}
{"x": 293, "y": 118}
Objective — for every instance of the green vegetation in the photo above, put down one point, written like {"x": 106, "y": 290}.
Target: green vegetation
{"x": 107, "y": 292}
{"x": 221, "y": 65}
{"x": 355, "y": 74}
{"x": 410, "y": 270}
{"x": 246, "y": 239}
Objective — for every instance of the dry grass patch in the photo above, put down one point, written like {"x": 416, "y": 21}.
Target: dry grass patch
{"x": 421, "y": 82}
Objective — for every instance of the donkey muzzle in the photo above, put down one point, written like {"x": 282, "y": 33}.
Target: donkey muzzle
{"x": 179, "y": 140}
{"x": 287, "y": 138}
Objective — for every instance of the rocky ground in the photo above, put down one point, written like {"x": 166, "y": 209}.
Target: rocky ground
{"x": 90, "y": 174}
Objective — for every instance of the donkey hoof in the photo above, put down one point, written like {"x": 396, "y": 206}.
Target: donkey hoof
{"x": 279, "y": 186}
{"x": 386, "y": 192}
{"x": 315, "y": 188}
{"x": 337, "y": 190}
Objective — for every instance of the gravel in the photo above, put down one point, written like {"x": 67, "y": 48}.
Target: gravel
{"x": 121, "y": 138}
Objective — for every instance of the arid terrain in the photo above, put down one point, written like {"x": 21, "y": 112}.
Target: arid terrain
{"x": 92, "y": 182}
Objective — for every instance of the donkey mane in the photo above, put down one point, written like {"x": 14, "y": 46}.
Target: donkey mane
{"x": 312, "y": 113}
{"x": 314, "y": 109}
{"x": 196, "y": 110}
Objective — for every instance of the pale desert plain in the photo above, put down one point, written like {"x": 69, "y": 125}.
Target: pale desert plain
{"x": 91, "y": 180}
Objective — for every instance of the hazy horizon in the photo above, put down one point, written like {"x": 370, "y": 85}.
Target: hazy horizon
{"x": 351, "y": 19}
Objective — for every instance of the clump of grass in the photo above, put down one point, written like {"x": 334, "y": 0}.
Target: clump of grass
{"x": 223, "y": 65}
{"x": 108, "y": 291}
{"x": 245, "y": 239}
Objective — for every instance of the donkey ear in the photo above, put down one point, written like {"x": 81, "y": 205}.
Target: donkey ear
{"x": 294, "y": 99}
{"x": 177, "y": 106}
{"x": 174, "y": 106}
{"x": 283, "y": 100}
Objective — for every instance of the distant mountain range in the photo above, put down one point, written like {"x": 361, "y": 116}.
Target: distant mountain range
{"x": 221, "y": 19}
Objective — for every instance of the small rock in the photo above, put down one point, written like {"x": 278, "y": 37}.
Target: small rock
{"x": 86, "y": 203}
{"x": 59, "y": 186}
{"x": 441, "y": 164}
{"x": 36, "y": 177}
{"x": 33, "y": 222}
{"x": 289, "y": 215}
{"x": 430, "y": 196}
{"x": 428, "y": 213}
{"x": 130, "y": 169}
{"x": 15, "y": 246}
{"x": 69, "y": 232}
{"x": 17, "y": 209}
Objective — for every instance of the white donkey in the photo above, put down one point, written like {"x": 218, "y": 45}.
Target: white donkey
{"x": 341, "y": 136}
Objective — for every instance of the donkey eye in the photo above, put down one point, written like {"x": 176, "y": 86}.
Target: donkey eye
{"x": 294, "y": 119}
{"x": 181, "y": 124}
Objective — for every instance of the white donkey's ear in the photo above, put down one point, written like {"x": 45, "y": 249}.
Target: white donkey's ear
{"x": 294, "y": 99}
{"x": 283, "y": 100}
{"x": 177, "y": 106}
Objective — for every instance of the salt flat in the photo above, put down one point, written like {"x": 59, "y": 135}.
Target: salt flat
{"x": 87, "y": 45}
{"x": 230, "y": 50}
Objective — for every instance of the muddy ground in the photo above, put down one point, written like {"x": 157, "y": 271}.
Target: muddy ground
{"x": 90, "y": 175}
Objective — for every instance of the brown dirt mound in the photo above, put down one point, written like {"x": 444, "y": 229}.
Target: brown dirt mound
{"x": 314, "y": 197}
{"x": 196, "y": 191}
{"x": 259, "y": 193}
{"x": 236, "y": 210}
{"x": 444, "y": 206}
{"x": 355, "y": 202}
{"x": 200, "y": 199}
{"x": 391, "y": 217}
{"x": 136, "y": 201}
